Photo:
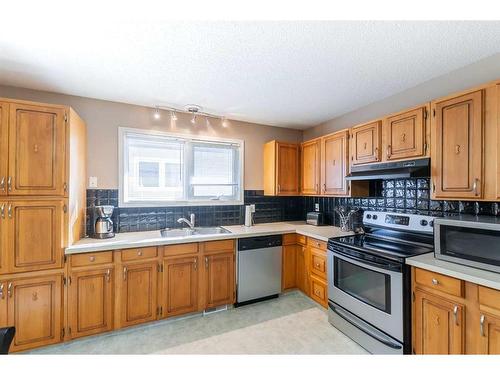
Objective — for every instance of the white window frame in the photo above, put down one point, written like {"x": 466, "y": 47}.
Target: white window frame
{"x": 123, "y": 131}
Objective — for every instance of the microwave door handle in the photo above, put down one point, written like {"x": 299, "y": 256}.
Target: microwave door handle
{"x": 363, "y": 329}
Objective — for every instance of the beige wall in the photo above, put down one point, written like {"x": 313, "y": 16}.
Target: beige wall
{"x": 469, "y": 76}
{"x": 103, "y": 119}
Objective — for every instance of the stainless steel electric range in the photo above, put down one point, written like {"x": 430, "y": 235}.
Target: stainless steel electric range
{"x": 369, "y": 284}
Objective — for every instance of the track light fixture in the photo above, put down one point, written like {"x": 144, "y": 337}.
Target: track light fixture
{"x": 193, "y": 109}
{"x": 173, "y": 116}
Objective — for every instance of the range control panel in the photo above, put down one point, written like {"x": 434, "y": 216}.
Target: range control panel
{"x": 411, "y": 222}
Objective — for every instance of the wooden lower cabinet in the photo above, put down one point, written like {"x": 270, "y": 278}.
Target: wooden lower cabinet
{"x": 302, "y": 280}
{"x": 319, "y": 290}
{"x": 90, "y": 301}
{"x": 180, "y": 286}
{"x": 138, "y": 293}
{"x": 35, "y": 309}
{"x": 489, "y": 333}
{"x": 439, "y": 325}
{"x": 3, "y": 302}
{"x": 219, "y": 279}
{"x": 289, "y": 267}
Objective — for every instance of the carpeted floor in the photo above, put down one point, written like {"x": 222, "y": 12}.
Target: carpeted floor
{"x": 291, "y": 324}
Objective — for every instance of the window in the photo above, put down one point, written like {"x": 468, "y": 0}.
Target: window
{"x": 166, "y": 169}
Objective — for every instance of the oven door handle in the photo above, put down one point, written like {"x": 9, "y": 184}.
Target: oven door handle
{"x": 371, "y": 334}
{"x": 383, "y": 265}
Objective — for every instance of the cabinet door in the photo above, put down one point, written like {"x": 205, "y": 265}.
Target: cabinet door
{"x": 404, "y": 135}
{"x": 4, "y": 262}
{"x": 3, "y": 303}
{"x": 37, "y": 150}
{"x": 180, "y": 285}
{"x": 319, "y": 290}
{"x": 35, "y": 310}
{"x": 302, "y": 273}
{"x": 4, "y": 146}
{"x": 138, "y": 293}
{"x": 90, "y": 302}
{"x": 458, "y": 147}
{"x": 489, "y": 332}
{"x": 289, "y": 270}
{"x": 310, "y": 167}
{"x": 365, "y": 144}
{"x": 439, "y": 325}
{"x": 334, "y": 150}
{"x": 34, "y": 234}
{"x": 287, "y": 169}
{"x": 219, "y": 279}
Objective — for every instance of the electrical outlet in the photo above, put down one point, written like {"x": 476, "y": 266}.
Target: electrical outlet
{"x": 316, "y": 207}
{"x": 92, "y": 182}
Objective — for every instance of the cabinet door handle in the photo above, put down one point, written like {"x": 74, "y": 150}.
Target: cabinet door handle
{"x": 108, "y": 275}
{"x": 481, "y": 325}
{"x": 9, "y": 183}
{"x": 9, "y": 211}
{"x": 9, "y": 290}
{"x": 388, "y": 151}
{"x": 474, "y": 186}
{"x": 206, "y": 262}
{"x": 435, "y": 282}
{"x": 1, "y": 291}
{"x": 139, "y": 253}
{"x": 455, "y": 314}
{"x": 92, "y": 258}
{"x": 2, "y": 183}
{"x": 124, "y": 273}
{"x": 324, "y": 188}
{"x": 2, "y": 210}
{"x": 195, "y": 264}
{"x": 279, "y": 188}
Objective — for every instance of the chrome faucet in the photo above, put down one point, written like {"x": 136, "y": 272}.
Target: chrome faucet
{"x": 189, "y": 222}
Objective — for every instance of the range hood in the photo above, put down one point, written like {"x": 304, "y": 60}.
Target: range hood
{"x": 386, "y": 171}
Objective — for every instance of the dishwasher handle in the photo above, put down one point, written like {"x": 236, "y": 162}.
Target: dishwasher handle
{"x": 261, "y": 242}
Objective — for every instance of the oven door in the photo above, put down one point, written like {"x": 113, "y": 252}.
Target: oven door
{"x": 371, "y": 289}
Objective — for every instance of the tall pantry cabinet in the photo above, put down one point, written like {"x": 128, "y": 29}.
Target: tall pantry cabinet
{"x": 42, "y": 210}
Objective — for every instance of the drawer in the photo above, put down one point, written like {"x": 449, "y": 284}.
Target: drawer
{"x": 318, "y": 263}
{"x": 319, "y": 291}
{"x": 489, "y": 297}
{"x": 181, "y": 249}
{"x": 90, "y": 259}
{"x": 436, "y": 281}
{"x": 218, "y": 246}
{"x": 139, "y": 253}
{"x": 321, "y": 245}
{"x": 289, "y": 239}
{"x": 301, "y": 239}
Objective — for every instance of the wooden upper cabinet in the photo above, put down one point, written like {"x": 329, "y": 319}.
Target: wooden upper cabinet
{"x": 219, "y": 279}
{"x": 458, "y": 147}
{"x": 35, "y": 234}
{"x": 180, "y": 285}
{"x": 310, "y": 167}
{"x": 4, "y": 146}
{"x": 90, "y": 301}
{"x": 281, "y": 168}
{"x": 37, "y": 150}
{"x": 334, "y": 163}
{"x": 439, "y": 325}
{"x": 404, "y": 135}
{"x": 138, "y": 293}
{"x": 35, "y": 309}
{"x": 366, "y": 143}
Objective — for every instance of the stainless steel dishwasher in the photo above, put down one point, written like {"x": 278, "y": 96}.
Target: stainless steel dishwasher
{"x": 259, "y": 268}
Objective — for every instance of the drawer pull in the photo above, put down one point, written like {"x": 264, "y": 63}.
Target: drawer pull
{"x": 125, "y": 273}
{"x": 92, "y": 258}
{"x": 9, "y": 290}
{"x": 435, "y": 282}
{"x": 2, "y": 210}
{"x": 195, "y": 264}
{"x": 139, "y": 253}
{"x": 1, "y": 291}
{"x": 108, "y": 275}
{"x": 317, "y": 265}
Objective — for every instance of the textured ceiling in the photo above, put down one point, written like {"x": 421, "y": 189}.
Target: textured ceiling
{"x": 291, "y": 74}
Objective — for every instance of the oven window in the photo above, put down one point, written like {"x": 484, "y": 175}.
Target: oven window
{"x": 371, "y": 287}
{"x": 480, "y": 245}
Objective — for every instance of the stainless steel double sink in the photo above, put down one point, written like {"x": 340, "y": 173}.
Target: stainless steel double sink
{"x": 188, "y": 232}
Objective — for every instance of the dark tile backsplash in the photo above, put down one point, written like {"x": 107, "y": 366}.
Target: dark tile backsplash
{"x": 402, "y": 195}
{"x": 127, "y": 219}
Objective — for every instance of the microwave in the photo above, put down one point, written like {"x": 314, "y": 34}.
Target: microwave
{"x": 470, "y": 240}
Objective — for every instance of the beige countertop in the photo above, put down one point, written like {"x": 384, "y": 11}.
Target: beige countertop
{"x": 459, "y": 271}
{"x": 153, "y": 238}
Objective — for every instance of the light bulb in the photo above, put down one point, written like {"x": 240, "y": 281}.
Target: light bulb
{"x": 157, "y": 113}
{"x": 193, "y": 120}
{"x": 224, "y": 122}
{"x": 173, "y": 115}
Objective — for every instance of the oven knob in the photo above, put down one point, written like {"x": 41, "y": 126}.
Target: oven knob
{"x": 431, "y": 223}
{"x": 423, "y": 222}
{"x": 368, "y": 216}
{"x": 375, "y": 217}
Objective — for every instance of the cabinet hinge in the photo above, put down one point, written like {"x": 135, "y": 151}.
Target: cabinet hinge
{"x": 434, "y": 112}
{"x": 66, "y": 118}
{"x": 69, "y": 280}
{"x": 65, "y": 186}
{"x": 64, "y": 280}
{"x": 413, "y": 296}
{"x": 425, "y": 114}
{"x": 425, "y": 147}
{"x": 65, "y": 208}
{"x": 63, "y": 332}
